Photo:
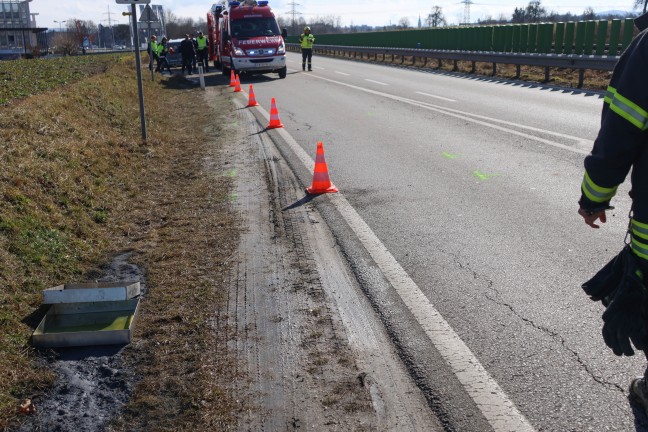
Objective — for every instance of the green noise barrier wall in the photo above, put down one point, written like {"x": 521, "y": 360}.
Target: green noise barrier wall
{"x": 599, "y": 38}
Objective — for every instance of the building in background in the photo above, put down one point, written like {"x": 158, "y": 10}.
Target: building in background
{"x": 19, "y": 35}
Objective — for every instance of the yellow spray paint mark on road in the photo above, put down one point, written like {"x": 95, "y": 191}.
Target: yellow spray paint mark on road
{"x": 232, "y": 197}
{"x": 370, "y": 114}
{"x": 450, "y": 155}
{"x": 482, "y": 176}
{"x": 231, "y": 173}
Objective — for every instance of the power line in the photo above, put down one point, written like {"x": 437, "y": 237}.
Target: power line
{"x": 293, "y": 13}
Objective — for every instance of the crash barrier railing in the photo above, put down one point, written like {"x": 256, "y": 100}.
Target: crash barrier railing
{"x": 548, "y": 61}
{"x": 601, "y": 37}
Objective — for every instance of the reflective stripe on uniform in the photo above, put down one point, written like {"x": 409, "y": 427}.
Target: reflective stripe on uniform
{"x": 596, "y": 193}
{"x": 639, "y": 248}
{"x": 639, "y": 229}
{"x": 626, "y": 108}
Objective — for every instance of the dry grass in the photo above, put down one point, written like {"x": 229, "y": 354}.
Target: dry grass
{"x": 79, "y": 186}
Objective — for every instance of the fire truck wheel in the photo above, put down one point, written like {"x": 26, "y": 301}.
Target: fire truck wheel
{"x": 282, "y": 73}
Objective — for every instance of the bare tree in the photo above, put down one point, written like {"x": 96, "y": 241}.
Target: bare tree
{"x": 435, "y": 17}
{"x": 535, "y": 12}
{"x": 404, "y": 23}
{"x": 640, "y": 3}
{"x": 588, "y": 14}
{"x": 66, "y": 43}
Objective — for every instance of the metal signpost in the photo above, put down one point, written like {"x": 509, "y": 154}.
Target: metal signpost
{"x": 148, "y": 16}
{"x": 137, "y": 58}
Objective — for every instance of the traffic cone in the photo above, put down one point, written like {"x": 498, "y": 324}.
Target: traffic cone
{"x": 238, "y": 85}
{"x": 321, "y": 181}
{"x": 232, "y": 78}
{"x": 274, "y": 116}
{"x": 252, "y": 100}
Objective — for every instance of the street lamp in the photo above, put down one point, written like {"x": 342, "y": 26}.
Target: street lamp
{"x": 59, "y": 23}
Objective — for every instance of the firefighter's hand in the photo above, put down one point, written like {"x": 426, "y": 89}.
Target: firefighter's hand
{"x": 591, "y": 217}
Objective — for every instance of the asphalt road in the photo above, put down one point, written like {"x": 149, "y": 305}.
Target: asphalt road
{"x": 472, "y": 185}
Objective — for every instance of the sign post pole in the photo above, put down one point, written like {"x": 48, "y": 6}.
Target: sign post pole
{"x": 138, "y": 63}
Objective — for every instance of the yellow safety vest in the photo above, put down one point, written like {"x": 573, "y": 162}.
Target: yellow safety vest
{"x": 202, "y": 42}
{"x": 307, "y": 41}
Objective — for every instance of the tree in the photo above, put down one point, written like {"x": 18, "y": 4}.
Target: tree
{"x": 640, "y": 3}
{"x": 519, "y": 16}
{"x": 65, "y": 43}
{"x": 535, "y": 12}
{"x": 404, "y": 23}
{"x": 588, "y": 14}
{"x": 435, "y": 18}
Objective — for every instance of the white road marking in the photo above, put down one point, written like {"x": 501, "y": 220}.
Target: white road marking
{"x": 375, "y": 82}
{"x": 437, "y": 97}
{"x": 318, "y": 67}
{"x": 497, "y": 408}
{"x": 342, "y": 73}
{"x": 584, "y": 145}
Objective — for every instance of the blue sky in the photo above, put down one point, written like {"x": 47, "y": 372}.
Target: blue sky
{"x": 370, "y": 12}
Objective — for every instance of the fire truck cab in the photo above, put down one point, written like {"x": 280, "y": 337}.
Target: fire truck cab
{"x": 245, "y": 37}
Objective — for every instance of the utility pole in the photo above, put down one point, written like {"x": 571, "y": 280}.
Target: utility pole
{"x": 293, "y": 12}
{"x": 466, "y": 17}
{"x": 112, "y": 30}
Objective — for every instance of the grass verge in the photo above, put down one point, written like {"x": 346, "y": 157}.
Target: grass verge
{"x": 78, "y": 186}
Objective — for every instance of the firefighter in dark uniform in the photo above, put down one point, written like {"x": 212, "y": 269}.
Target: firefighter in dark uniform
{"x": 619, "y": 147}
{"x": 306, "y": 40}
{"x": 202, "y": 51}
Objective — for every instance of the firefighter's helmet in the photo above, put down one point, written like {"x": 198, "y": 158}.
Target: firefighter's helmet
{"x": 306, "y": 28}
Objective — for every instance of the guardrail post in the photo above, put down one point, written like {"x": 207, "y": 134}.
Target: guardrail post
{"x": 494, "y": 69}
{"x": 517, "y": 71}
{"x": 439, "y": 63}
{"x": 581, "y": 77}
{"x": 546, "y": 74}
{"x": 455, "y": 66}
{"x": 473, "y": 67}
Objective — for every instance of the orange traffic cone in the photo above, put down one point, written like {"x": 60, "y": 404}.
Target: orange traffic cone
{"x": 321, "y": 181}
{"x": 252, "y": 100}
{"x": 232, "y": 78}
{"x": 274, "y": 116}
{"x": 238, "y": 85}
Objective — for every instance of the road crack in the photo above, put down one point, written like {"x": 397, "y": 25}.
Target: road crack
{"x": 493, "y": 295}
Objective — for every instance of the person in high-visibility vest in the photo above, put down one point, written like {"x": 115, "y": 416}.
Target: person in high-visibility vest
{"x": 202, "y": 51}
{"x": 153, "y": 52}
{"x": 307, "y": 40}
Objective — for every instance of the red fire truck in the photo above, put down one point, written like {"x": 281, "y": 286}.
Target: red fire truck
{"x": 245, "y": 37}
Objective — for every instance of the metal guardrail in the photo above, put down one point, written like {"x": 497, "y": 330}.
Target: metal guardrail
{"x": 548, "y": 61}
